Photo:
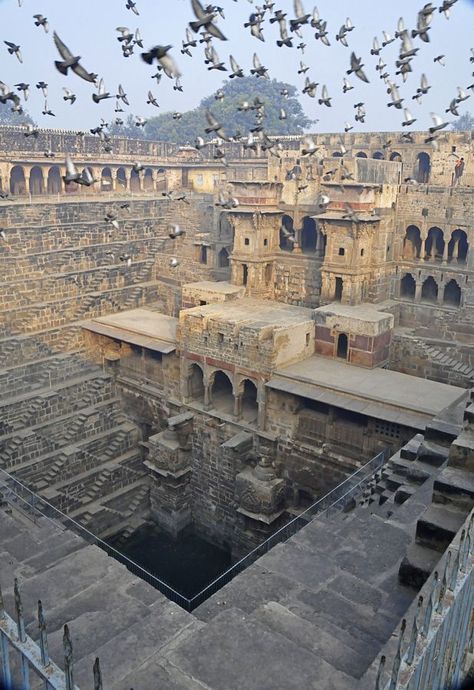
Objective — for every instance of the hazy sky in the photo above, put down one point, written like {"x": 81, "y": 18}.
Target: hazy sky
{"x": 88, "y": 28}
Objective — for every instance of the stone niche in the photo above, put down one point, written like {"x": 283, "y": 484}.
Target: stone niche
{"x": 359, "y": 335}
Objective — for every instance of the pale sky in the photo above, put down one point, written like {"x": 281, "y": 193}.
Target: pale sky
{"x": 88, "y": 28}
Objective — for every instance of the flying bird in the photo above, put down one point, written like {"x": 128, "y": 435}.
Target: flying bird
{"x": 70, "y": 61}
{"x": 14, "y": 49}
{"x": 41, "y": 21}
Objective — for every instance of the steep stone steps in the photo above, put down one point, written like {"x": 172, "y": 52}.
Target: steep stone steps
{"x": 36, "y": 374}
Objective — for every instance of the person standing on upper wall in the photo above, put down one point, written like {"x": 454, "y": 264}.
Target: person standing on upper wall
{"x": 458, "y": 171}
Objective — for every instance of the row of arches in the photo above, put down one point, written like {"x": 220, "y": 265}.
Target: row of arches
{"x": 41, "y": 180}
{"x": 219, "y": 394}
{"x": 422, "y": 170}
{"x": 429, "y": 291}
{"x": 309, "y": 238}
{"x": 435, "y": 247}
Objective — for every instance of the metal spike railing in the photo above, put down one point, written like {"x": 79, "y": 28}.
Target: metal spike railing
{"x": 35, "y": 657}
{"x": 443, "y": 633}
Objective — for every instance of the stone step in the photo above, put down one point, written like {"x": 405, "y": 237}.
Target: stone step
{"x": 454, "y": 486}
{"x": 438, "y": 525}
{"x": 417, "y": 565}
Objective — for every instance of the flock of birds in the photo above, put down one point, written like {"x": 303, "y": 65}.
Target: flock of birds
{"x": 203, "y": 30}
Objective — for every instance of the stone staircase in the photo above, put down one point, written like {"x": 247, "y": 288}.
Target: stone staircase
{"x": 63, "y": 433}
{"x": 442, "y": 360}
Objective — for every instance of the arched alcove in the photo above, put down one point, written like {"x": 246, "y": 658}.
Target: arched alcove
{"x": 458, "y": 247}
{"x": 223, "y": 258}
{"x": 412, "y": 243}
{"x": 342, "y": 346}
{"x": 452, "y": 293}
{"x": 121, "y": 178}
{"x": 36, "y": 181}
{"x": 148, "y": 184}
{"x": 429, "y": 290}
{"x": 196, "y": 383}
{"x": 249, "y": 401}
{"x": 337, "y": 154}
{"x": 408, "y": 286}
{"x": 222, "y": 394}
{"x": 361, "y": 154}
{"x": 434, "y": 245}
{"x": 338, "y": 289}
{"x": 395, "y": 156}
{"x": 135, "y": 182}
{"x": 106, "y": 180}
{"x": 17, "y": 180}
{"x": 379, "y": 156}
{"x": 286, "y": 227}
{"x": 423, "y": 169}
{"x": 309, "y": 235}
{"x": 55, "y": 184}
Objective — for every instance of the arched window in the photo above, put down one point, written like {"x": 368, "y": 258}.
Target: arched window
{"x": 412, "y": 243}
{"x": 222, "y": 394}
{"x": 423, "y": 170}
{"x": 361, "y": 154}
{"x": 458, "y": 247}
{"x": 36, "y": 181}
{"x": 17, "y": 180}
{"x": 379, "y": 156}
{"x": 452, "y": 293}
{"x": 106, "y": 180}
{"x": 342, "y": 346}
{"x": 434, "y": 245}
{"x": 308, "y": 235}
{"x": 223, "y": 258}
{"x": 121, "y": 178}
{"x": 337, "y": 154}
{"x": 429, "y": 290}
{"x": 55, "y": 184}
{"x": 395, "y": 156}
{"x": 249, "y": 401}
{"x": 408, "y": 287}
{"x": 196, "y": 383}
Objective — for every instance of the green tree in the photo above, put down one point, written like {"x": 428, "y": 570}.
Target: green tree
{"x": 9, "y": 118}
{"x": 464, "y": 123}
{"x": 193, "y": 123}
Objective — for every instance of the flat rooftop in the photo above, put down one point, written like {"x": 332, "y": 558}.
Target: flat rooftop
{"x": 143, "y": 327}
{"x": 378, "y": 393}
{"x": 361, "y": 312}
{"x": 253, "y": 312}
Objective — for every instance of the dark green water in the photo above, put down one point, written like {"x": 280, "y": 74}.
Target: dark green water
{"x": 187, "y": 564}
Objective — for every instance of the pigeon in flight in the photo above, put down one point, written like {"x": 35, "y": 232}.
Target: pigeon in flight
{"x": 41, "y": 21}
{"x": 130, "y": 5}
{"x": 70, "y": 61}
{"x": 13, "y": 49}
{"x": 205, "y": 19}
{"x": 166, "y": 62}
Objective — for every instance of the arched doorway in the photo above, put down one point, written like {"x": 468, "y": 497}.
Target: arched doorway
{"x": 342, "y": 346}
{"x": 223, "y": 260}
{"x": 395, "y": 156}
{"x": 429, "y": 290}
{"x": 309, "y": 235}
{"x": 148, "y": 184}
{"x": 196, "y": 383}
{"x": 361, "y": 154}
{"x": 434, "y": 245}
{"x": 54, "y": 180}
{"x": 412, "y": 243}
{"x": 458, "y": 247}
{"x": 408, "y": 286}
{"x": 135, "y": 184}
{"x": 286, "y": 231}
{"x": 452, "y": 294}
{"x": 121, "y": 178}
{"x": 222, "y": 394}
{"x": 249, "y": 401}
{"x": 423, "y": 168}
{"x": 378, "y": 156}
{"x": 106, "y": 184}
{"x": 36, "y": 181}
{"x": 17, "y": 180}
{"x": 339, "y": 289}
